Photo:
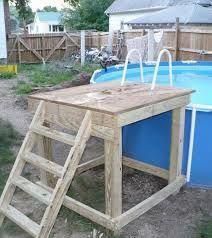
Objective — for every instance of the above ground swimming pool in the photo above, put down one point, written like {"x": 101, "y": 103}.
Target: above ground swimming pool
{"x": 149, "y": 140}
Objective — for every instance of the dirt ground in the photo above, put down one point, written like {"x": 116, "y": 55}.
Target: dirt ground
{"x": 176, "y": 217}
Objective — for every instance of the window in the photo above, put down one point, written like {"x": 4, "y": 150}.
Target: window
{"x": 50, "y": 28}
{"x": 58, "y": 28}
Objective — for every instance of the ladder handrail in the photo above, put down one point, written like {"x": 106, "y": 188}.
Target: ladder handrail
{"x": 126, "y": 65}
{"x": 162, "y": 52}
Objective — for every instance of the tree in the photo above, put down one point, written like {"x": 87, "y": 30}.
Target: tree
{"x": 25, "y": 13}
{"x": 49, "y": 9}
{"x": 88, "y": 14}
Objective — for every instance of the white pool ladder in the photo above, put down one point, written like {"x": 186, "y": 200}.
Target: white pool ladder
{"x": 126, "y": 65}
{"x": 162, "y": 52}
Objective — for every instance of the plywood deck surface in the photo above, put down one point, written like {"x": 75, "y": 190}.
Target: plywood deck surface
{"x": 110, "y": 97}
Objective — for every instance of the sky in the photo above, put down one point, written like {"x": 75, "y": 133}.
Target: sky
{"x": 39, "y": 4}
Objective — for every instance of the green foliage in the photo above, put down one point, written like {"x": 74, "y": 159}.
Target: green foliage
{"x": 7, "y": 75}
{"x": 24, "y": 12}
{"x": 205, "y": 230}
{"x": 49, "y": 75}
{"x": 48, "y": 9}
{"x": 73, "y": 3}
{"x": 8, "y": 138}
{"x": 23, "y": 88}
{"x": 89, "y": 14}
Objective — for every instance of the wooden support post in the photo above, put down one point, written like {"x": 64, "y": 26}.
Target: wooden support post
{"x": 45, "y": 150}
{"x": 82, "y": 48}
{"x": 177, "y": 39}
{"x": 19, "y": 50}
{"x": 113, "y": 175}
{"x": 178, "y": 124}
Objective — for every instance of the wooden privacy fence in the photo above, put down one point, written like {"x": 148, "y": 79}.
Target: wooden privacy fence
{"x": 189, "y": 44}
{"x": 37, "y": 48}
{"x": 186, "y": 44}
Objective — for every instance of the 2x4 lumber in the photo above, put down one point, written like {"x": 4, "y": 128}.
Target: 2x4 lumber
{"x": 149, "y": 203}
{"x": 177, "y": 141}
{"x": 53, "y": 134}
{"x": 152, "y": 110}
{"x": 45, "y": 150}
{"x": 43, "y": 164}
{"x": 27, "y": 145}
{"x": 85, "y": 211}
{"x": 71, "y": 117}
{"x": 90, "y": 164}
{"x": 32, "y": 189}
{"x": 141, "y": 166}
{"x": 113, "y": 175}
{"x": 21, "y": 220}
{"x": 64, "y": 183}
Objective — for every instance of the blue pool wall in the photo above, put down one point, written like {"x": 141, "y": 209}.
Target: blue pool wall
{"x": 149, "y": 140}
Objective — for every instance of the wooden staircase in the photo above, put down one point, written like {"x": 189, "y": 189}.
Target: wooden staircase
{"x": 65, "y": 174}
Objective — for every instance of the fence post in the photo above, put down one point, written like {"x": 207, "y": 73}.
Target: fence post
{"x": 177, "y": 39}
{"x": 82, "y": 48}
{"x": 19, "y": 50}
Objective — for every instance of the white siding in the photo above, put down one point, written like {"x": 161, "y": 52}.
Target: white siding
{"x": 3, "y": 43}
{"x": 115, "y": 20}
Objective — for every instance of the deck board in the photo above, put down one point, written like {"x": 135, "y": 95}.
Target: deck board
{"x": 111, "y": 98}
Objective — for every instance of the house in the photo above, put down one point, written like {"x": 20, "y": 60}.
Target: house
{"x": 123, "y": 11}
{"x": 3, "y": 42}
{"x": 46, "y": 22}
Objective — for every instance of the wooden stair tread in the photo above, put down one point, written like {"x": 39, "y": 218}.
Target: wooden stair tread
{"x": 43, "y": 164}
{"x": 32, "y": 189}
{"x": 22, "y": 220}
{"x": 54, "y": 134}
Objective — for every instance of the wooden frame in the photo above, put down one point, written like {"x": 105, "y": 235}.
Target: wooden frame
{"x": 109, "y": 128}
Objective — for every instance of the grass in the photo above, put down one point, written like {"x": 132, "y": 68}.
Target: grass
{"x": 205, "y": 229}
{"x": 48, "y": 75}
{"x": 23, "y": 88}
{"x": 7, "y": 75}
{"x": 8, "y": 138}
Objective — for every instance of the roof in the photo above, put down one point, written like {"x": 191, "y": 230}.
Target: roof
{"x": 195, "y": 14}
{"x": 49, "y": 16}
{"x": 119, "y": 6}
{"x": 133, "y": 5}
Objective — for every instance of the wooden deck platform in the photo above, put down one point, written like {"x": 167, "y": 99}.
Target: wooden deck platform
{"x": 111, "y": 98}
{"x": 109, "y": 107}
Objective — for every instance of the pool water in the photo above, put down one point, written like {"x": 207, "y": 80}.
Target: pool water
{"x": 198, "y": 78}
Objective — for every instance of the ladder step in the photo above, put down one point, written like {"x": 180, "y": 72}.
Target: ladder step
{"x": 21, "y": 220}
{"x": 53, "y": 134}
{"x": 43, "y": 164}
{"x": 32, "y": 189}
